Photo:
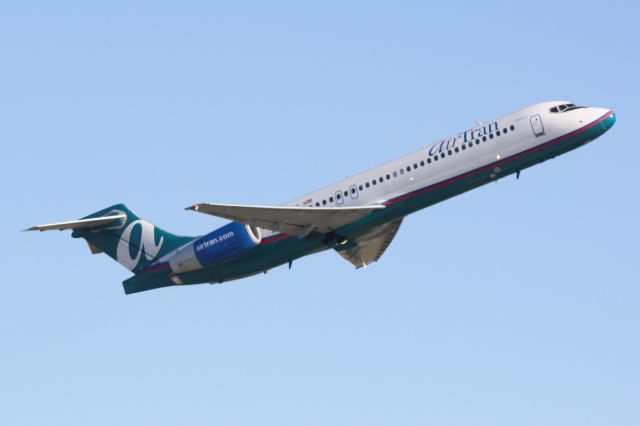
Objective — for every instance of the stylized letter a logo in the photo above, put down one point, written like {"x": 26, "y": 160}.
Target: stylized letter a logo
{"x": 147, "y": 244}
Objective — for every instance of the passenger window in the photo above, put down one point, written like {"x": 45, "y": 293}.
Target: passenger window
{"x": 324, "y": 202}
{"x": 490, "y": 135}
{"x": 408, "y": 168}
{"x": 331, "y": 199}
{"x": 421, "y": 163}
{"x": 395, "y": 174}
{"x": 360, "y": 187}
{"x": 428, "y": 160}
{"x": 450, "y": 152}
{"x": 498, "y": 133}
{"x": 373, "y": 182}
{"x": 456, "y": 149}
{"x": 512, "y": 127}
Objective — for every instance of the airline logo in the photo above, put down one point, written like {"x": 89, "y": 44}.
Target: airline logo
{"x": 147, "y": 244}
{"x": 464, "y": 137}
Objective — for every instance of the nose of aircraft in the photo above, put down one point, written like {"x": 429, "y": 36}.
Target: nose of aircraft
{"x": 604, "y": 119}
{"x": 609, "y": 120}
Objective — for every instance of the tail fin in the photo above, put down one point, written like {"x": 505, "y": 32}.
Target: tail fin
{"x": 133, "y": 242}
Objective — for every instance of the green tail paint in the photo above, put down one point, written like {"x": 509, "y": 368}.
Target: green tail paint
{"x": 133, "y": 242}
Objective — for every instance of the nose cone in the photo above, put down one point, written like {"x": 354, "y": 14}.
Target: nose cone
{"x": 609, "y": 121}
{"x": 603, "y": 119}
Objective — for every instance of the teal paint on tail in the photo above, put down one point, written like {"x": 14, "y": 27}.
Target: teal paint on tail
{"x": 148, "y": 281}
{"x": 133, "y": 242}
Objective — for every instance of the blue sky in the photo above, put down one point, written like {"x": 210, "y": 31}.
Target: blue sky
{"x": 516, "y": 303}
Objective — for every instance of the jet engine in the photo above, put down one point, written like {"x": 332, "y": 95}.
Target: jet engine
{"x": 219, "y": 246}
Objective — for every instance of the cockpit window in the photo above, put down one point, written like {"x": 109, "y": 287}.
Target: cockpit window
{"x": 565, "y": 108}
{"x": 571, "y": 107}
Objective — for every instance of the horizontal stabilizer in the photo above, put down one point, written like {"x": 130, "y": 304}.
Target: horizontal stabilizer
{"x": 300, "y": 221}
{"x": 93, "y": 222}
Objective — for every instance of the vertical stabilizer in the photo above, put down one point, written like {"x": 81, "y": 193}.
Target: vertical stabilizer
{"x": 133, "y": 242}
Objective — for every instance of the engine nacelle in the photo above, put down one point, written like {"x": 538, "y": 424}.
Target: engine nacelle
{"x": 219, "y": 246}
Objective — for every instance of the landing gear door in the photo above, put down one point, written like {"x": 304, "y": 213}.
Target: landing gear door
{"x": 536, "y": 125}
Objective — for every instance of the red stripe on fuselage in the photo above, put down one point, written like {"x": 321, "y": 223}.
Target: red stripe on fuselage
{"x": 274, "y": 238}
{"x": 154, "y": 267}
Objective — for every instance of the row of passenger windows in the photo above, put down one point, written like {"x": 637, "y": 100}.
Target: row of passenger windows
{"x": 388, "y": 176}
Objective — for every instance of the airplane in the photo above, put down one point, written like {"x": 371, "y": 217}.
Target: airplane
{"x": 357, "y": 217}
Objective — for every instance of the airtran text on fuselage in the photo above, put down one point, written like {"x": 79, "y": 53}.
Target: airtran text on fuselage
{"x": 466, "y": 136}
{"x": 215, "y": 240}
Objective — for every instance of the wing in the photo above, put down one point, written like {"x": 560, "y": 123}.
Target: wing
{"x": 300, "y": 221}
{"x": 370, "y": 247}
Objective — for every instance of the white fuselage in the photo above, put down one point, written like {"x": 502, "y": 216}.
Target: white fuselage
{"x": 436, "y": 172}
{"x": 420, "y": 169}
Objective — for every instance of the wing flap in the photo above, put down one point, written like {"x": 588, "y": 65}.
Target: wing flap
{"x": 300, "y": 221}
{"x": 370, "y": 247}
